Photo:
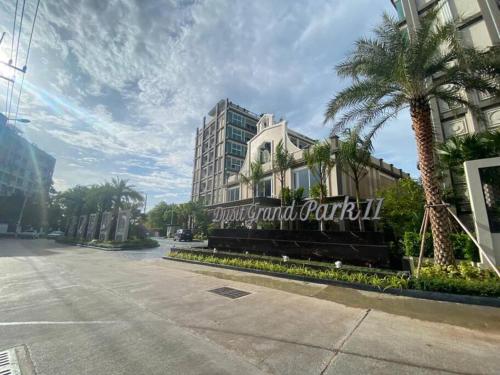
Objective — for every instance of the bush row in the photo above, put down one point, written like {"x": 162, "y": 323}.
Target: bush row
{"x": 464, "y": 279}
{"x": 463, "y": 247}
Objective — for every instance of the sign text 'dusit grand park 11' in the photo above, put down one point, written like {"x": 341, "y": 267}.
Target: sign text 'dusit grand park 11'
{"x": 345, "y": 210}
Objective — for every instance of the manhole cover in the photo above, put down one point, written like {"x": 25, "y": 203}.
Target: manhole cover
{"x": 229, "y": 292}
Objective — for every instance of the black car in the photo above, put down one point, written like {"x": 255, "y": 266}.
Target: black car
{"x": 183, "y": 235}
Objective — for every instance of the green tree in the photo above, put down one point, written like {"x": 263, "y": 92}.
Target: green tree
{"x": 403, "y": 207}
{"x": 319, "y": 161}
{"x": 395, "y": 70}
{"x": 121, "y": 193}
{"x": 254, "y": 177}
{"x": 156, "y": 217}
{"x": 282, "y": 162}
{"x": 353, "y": 156}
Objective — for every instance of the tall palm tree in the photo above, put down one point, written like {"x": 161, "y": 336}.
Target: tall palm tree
{"x": 121, "y": 193}
{"x": 395, "y": 70}
{"x": 353, "y": 157}
{"x": 282, "y": 162}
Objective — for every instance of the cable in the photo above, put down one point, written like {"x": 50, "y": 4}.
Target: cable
{"x": 27, "y": 57}
{"x": 10, "y": 61}
{"x": 17, "y": 55}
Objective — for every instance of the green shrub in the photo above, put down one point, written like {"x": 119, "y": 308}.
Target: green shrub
{"x": 463, "y": 247}
{"x": 411, "y": 244}
{"x": 463, "y": 279}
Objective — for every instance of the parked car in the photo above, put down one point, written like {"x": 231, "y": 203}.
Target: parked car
{"x": 183, "y": 235}
{"x": 55, "y": 234}
{"x": 28, "y": 233}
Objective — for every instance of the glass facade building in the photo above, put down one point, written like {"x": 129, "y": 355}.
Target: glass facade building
{"x": 220, "y": 149}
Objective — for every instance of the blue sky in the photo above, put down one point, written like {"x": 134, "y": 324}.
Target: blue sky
{"x": 118, "y": 87}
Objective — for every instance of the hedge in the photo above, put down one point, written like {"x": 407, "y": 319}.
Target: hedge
{"x": 463, "y": 247}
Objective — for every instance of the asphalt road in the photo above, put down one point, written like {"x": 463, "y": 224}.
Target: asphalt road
{"x": 76, "y": 311}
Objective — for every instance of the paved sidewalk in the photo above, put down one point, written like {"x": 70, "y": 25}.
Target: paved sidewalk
{"x": 85, "y": 311}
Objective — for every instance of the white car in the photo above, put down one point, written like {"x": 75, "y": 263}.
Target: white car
{"x": 30, "y": 233}
{"x": 55, "y": 234}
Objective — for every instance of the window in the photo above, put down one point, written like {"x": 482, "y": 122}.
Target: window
{"x": 399, "y": 8}
{"x": 236, "y": 149}
{"x": 236, "y": 119}
{"x": 233, "y": 194}
{"x": 264, "y": 188}
{"x": 304, "y": 178}
{"x": 265, "y": 153}
{"x": 233, "y": 164}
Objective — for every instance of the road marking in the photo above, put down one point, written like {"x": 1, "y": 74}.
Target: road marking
{"x": 60, "y": 323}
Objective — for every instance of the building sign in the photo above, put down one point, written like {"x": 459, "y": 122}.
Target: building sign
{"x": 72, "y": 226}
{"x": 91, "y": 228}
{"x": 105, "y": 226}
{"x": 122, "y": 223}
{"x": 345, "y": 210}
{"x": 82, "y": 225}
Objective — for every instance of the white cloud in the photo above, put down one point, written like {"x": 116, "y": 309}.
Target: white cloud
{"x": 120, "y": 86}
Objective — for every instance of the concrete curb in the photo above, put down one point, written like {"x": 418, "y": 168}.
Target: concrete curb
{"x": 414, "y": 293}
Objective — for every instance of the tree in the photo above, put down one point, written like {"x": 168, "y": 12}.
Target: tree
{"x": 282, "y": 162}
{"x": 395, "y": 70}
{"x": 319, "y": 161}
{"x": 353, "y": 156}
{"x": 459, "y": 149}
{"x": 403, "y": 207}
{"x": 121, "y": 193}
{"x": 254, "y": 177}
{"x": 156, "y": 217}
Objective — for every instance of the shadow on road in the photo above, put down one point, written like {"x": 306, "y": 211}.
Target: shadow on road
{"x": 10, "y": 247}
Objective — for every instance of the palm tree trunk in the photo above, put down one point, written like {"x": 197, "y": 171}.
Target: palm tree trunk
{"x": 358, "y": 206}
{"x": 440, "y": 225}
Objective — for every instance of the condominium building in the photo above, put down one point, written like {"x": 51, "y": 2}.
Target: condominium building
{"x": 262, "y": 147}
{"x": 220, "y": 149}
{"x": 24, "y": 168}
{"x": 479, "y": 25}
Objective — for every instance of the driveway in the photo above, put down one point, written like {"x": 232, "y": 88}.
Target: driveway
{"x": 74, "y": 310}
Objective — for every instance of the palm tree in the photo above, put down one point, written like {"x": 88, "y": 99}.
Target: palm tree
{"x": 394, "y": 71}
{"x": 353, "y": 156}
{"x": 121, "y": 193}
{"x": 319, "y": 161}
{"x": 254, "y": 177}
{"x": 282, "y": 162}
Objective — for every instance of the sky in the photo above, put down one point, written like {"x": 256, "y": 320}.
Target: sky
{"x": 117, "y": 88}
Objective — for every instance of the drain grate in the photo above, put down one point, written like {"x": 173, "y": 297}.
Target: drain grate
{"x": 8, "y": 363}
{"x": 229, "y": 292}
{"x": 4, "y": 359}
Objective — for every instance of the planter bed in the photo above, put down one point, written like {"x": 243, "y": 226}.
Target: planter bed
{"x": 479, "y": 292}
{"x": 298, "y": 262}
{"x": 112, "y": 246}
